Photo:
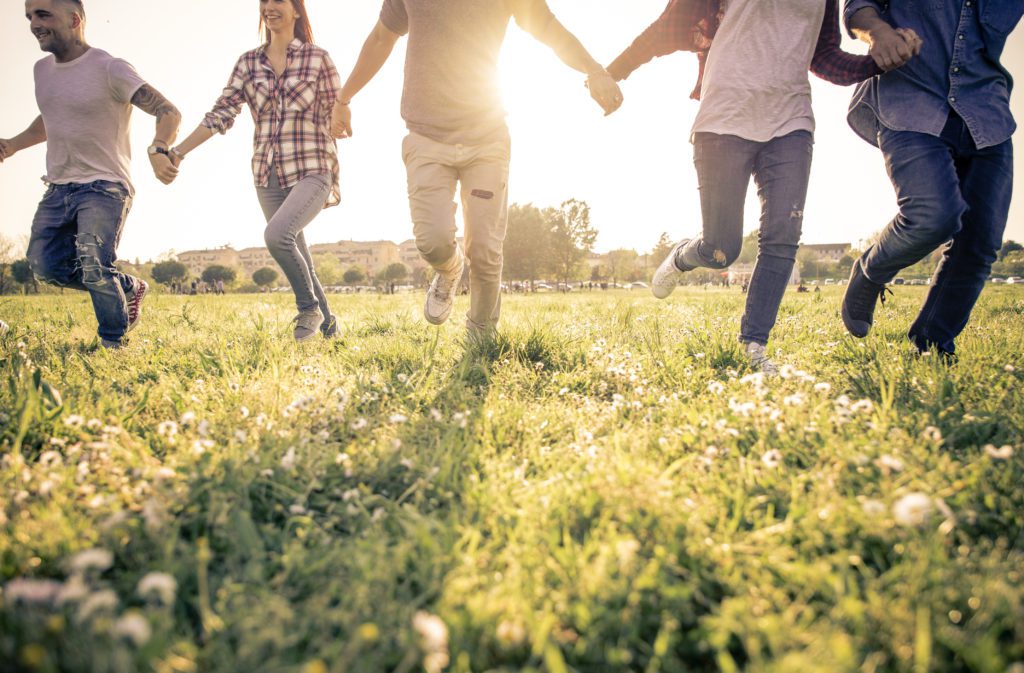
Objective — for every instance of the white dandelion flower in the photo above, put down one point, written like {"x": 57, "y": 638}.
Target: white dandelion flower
{"x": 31, "y": 592}
{"x": 932, "y": 434}
{"x": 134, "y": 628}
{"x": 888, "y": 464}
{"x": 74, "y": 421}
{"x": 913, "y": 510}
{"x": 772, "y": 458}
{"x": 716, "y": 387}
{"x": 1004, "y": 452}
{"x": 167, "y": 429}
{"x": 288, "y": 461}
{"x": 91, "y": 560}
{"x": 359, "y": 424}
{"x": 159, "y": 587}
{"x": 397, "y": 419}
{"x": 873, "y": 508}
{"x": 99, "y": 602}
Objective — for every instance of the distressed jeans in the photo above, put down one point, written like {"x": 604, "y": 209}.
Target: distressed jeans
{"x": 781, "y": 169}
{"x": 949, "y": 191}
{"x": 434, "y": 173}
{"x": 74, "y": 245}
{"x": 288, "y": 212}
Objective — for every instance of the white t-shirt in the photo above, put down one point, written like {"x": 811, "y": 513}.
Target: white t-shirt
{"x": 756, "y": 84}
{"x": 86, "y": 108}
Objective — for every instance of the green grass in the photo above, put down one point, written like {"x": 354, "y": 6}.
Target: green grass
{"x": 602, "y": 488}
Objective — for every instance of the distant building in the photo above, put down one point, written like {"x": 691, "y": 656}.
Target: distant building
{"x": 198, "y": 260}
{"x": 829, "y": 252}
{"x": 742, "y": 273}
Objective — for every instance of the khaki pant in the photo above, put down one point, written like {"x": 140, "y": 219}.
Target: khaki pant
{"x": 435, "y": 170}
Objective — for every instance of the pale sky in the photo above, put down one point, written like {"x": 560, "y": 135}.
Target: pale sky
{"x": 635, "y": 168}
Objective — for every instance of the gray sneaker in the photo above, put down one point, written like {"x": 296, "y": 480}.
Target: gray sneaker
{"x": 111, "y": 345}
{"x": 441, "y": 294}
{"x": 307, "y": 324}
{"x": 758, "y": 356}
{"x": 668, "y": 275}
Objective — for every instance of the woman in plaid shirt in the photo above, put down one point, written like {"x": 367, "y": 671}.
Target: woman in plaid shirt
{"x": 290, "y": 86}
{"x": 755, "y": 120}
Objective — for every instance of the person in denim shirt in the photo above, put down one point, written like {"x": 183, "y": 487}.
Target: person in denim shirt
{"x": 944, "y": 125}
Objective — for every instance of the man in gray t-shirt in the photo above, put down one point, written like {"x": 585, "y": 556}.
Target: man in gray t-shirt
{"x": 452, "y": 107}
{"x": 85, "y": 98}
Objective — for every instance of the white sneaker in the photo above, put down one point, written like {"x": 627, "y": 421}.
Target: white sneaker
{"x": 758, "y": 355}
{"x": 667, "y": 277}
{"x": 441, "y": 293}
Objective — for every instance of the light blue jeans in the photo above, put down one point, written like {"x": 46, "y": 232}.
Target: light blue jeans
{"x": 288, "y": 212}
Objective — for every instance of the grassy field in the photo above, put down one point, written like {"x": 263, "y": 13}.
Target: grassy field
{"x": 604, "y": 488}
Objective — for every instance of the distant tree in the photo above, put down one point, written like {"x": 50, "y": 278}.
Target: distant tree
{"x": 599, "y": 273}
{"x": 7, "y": 257}
{"x": 328, "y": 269}
{"x": 354, "y": 276}
{"x": 215, "y": 272}
{"x": 622, "y": 264}
{"x": 1008, "y": 247}
{"x": 526, "y": 243}
{"x": 169, "y": 272}
{"x": 264, "y": 277}
{"x": 1011, "y": 265}
{"x": 21, "y": 271}
{"x": 810, "y": 263}
{"x": 572, "y": 238}
{"x": 396, "y": 272}
{"x": 748, "y": 253}
{"x": 662, "y": 248}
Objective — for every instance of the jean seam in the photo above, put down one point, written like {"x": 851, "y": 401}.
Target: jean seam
{"x": 293, "y": 249}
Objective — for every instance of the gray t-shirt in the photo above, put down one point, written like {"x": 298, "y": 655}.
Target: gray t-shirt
{"x": 756, "y": 84}
{"x": 86, "y": 108}
{"x": 451, "y": 90}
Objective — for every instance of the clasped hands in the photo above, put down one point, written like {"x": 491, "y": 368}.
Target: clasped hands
{"x": 892, "y": 47}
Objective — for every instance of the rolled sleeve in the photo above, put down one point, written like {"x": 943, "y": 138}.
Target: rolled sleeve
{"x": 854, "y": 6}
{"x": 222, "y": 117}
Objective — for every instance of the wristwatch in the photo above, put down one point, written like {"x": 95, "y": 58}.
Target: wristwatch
{"x": 155, "y": 149}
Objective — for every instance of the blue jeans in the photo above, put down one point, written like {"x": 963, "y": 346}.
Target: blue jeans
{"x": 949, "y": 191}
{"x": 73, "y": 245}
{"x": 288, "y": 212}
{"x": 781, "y": 168}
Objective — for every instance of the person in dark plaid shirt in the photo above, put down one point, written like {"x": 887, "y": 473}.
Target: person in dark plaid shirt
{"x": 755, "y": 120}
{"x": 290, "y": 86}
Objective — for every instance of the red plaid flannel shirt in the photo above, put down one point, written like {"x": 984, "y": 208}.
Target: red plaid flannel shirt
{"x": 690, "y": 25}
{"x": 292, "y": 114}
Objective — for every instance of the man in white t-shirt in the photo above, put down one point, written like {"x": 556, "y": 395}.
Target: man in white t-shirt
{"x": 85, "y": 98}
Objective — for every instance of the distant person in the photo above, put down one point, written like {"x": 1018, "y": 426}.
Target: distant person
{"x": 220, "y": 286}
{"x": 85, "y": 97}
{"x": 944, "y": 126}
{"x": 452, "y": 106}
{"x": 290, "y": 86}
{"x": 755, "y": 119}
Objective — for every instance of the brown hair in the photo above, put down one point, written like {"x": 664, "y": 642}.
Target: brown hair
{"x": 303, "y": 31}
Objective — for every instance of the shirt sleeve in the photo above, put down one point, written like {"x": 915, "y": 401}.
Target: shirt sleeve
{"x": 830, "y": 62}
{"x": 328, "y": 84}
{"x": 853, "y": 6}
{"x": 395, "y": 17}
{"x": 533, "y": 16}
{"x": 673, "y": 31}
{"x": 222, "y": 117}
{"x": 123, "y": 79}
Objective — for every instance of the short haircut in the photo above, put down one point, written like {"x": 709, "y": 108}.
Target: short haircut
{"x": 77, "y": 4}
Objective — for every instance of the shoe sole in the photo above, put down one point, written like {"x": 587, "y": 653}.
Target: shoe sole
{"x": 443, "y": 320}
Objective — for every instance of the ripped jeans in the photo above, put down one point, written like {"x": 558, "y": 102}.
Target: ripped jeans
{"x": 73, "y": 245}
{"x": 781, "y": 169}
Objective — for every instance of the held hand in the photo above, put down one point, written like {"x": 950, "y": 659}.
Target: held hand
{"x": 164, "y": 170}
{"x": 341, "y": 121}
{"x": 605, "y": 91}
{"x": 175, "y": 158}
{"x": 890, "y": 48}
{"x": 5, "y": 150}
{"x": 912, "y": 39}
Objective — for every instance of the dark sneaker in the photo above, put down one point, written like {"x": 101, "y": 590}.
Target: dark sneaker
{"x": 307, "y": 324}
{"x": 862, "y": 295}
{"x": 135, "y": 303}
{"x": 111, "y": 345}
{"x": 330, "y": 328}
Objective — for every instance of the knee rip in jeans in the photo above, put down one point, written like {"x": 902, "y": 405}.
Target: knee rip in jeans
{"x": 88, "y": 246}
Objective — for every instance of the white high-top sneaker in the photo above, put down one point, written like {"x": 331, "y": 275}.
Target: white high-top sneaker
{"x": 758, "y": 355}
{"x": 441, "y": 293}
{"x": 668, "y": 275}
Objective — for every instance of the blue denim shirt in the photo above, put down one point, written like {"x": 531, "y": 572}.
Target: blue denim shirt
{"x": 958, "y": 68}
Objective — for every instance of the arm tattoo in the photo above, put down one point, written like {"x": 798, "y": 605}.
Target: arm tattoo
{"x": 152, "y": 101}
